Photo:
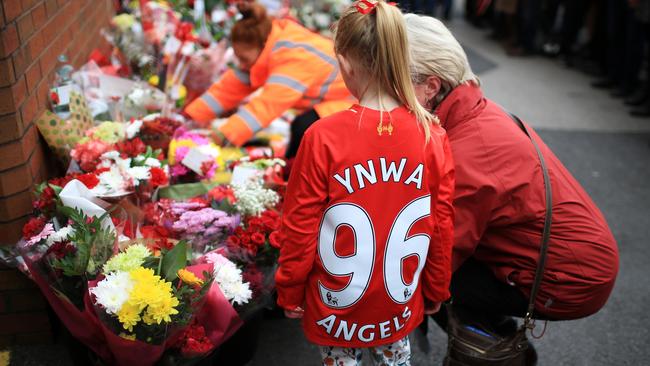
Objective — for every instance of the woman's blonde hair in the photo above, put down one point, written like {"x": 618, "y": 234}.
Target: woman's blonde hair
{"x": 377, "y": 41}
{"x": 435, "y": 52}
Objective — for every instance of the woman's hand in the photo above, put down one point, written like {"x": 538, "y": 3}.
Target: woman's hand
{"x": 431, "y": 308}
{"x": 296, "y": 313}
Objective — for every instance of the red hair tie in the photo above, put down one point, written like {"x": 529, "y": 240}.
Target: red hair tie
{"x": 367, "y": 6}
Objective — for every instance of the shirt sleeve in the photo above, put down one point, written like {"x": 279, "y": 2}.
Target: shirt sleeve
{"x": 285, "y": 87}
{"x": 305, "y": 201}
{"x": 437, "y": 273}
{"x": 224, "y": 95}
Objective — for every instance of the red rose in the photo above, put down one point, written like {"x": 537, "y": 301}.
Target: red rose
{"x": 258, "y": 239}
{"x": 33, "y": 227}
{"x": 275, "y": 239}
{"x": 255, "y": 224}
{"x": 90, "y": 180}
{"x": 239, "y": 231}
{"x": 158, "y": 177}
{"x": 234, "y": 241}
{"x": 245, "y": 239}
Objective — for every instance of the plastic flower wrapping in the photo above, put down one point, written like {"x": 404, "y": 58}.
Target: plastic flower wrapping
{"x": 143, "y": 296}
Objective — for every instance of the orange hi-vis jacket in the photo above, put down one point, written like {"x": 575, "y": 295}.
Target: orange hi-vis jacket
{"x": 296, "y": 69}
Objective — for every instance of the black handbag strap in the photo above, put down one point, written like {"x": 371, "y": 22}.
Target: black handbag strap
{"x": 546, "y": 233}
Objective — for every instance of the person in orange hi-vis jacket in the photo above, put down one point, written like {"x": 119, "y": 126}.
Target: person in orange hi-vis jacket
{"x": 295, "y": 68}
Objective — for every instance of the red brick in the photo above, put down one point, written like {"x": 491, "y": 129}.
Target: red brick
{"x": 21, "y": 59}
{"x": 11, "y": 97}
{"x": 11, "y": 127}
{"x": 12, "y": 279}
{"x": 51, "y": 8}
{"x": 33, "y": 77}
{"x": 25, "y": 27}
{"x": 9, "y": 41}
{"x": 6, "y": 72}
{"x": 12, "y": 155}
{"x": 38, "y": 165}
{"x": 43, "y": 92}
{"x": 62, "y": 2}
{"x": 16, "y": 206}
{"x": 2, "y": 18}
{"x": 39, "y": 16}
{"x": 15, "y": 180}
{"x": 28, "y": 4}
{"x": 12, "y": 9}
{"x": 30, "y": 140}
{"x": 22, "y": 323}
{"x": 48, "y": 61}
{"x": 36, "y": 45}
{"x": 30, "y": 110}
{"x": 11, "y": 233}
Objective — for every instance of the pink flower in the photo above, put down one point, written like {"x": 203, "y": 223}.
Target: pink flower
{"x": 47, "y": 231}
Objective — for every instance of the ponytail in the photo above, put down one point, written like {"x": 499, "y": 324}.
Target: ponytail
{"x": 254, "y": 28}
{"x": 378, "y": 41}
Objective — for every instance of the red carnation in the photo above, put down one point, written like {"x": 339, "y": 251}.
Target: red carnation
{"x": 258, "y": 239}
{"x": 222, "y": 192}
{"x": 46, "y": 200}
{"x": 158, "y": 177}
{"x": 131, "y": 148}
{"x": 90, "y": 180}
{"x": 234, "y": 241}
{"x": 275, "y": 239}
{"x": 33, "y": 227}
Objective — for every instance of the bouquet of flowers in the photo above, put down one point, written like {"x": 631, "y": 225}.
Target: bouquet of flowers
{"x": 193, "y": 156}
{"x": 206, "y": 228}
{"x": 145, "y": 300}
{"x": 65, "y": 255}
{"x": 157, "y": 131}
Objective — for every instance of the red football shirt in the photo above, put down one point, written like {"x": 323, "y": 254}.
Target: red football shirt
{"x": 361, "y": 246}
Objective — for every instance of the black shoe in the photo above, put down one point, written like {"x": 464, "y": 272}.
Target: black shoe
{"x": 603, "y": 84}
{"x": 638, "y": 97}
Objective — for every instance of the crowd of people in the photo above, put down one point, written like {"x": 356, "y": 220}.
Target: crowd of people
{"x": 608, "y": 39}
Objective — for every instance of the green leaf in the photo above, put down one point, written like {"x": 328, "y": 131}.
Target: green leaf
{"x": 185, "y": 191}
{"x": 174, "y": 260}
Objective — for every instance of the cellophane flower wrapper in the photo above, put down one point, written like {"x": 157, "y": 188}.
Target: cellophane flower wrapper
{"x": 146, "y": 299}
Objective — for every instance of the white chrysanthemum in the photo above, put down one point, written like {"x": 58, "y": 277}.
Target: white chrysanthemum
{"x": 113, "y": 291}
{"x": 253, "y": 198}
{"x": 230, "y": 281}
{"x": 110, "y": 181}
{"x": 139, "y": 173}
{"x": 152, "y": 162}
{"x": 133, "y": 128}
{"x": 60, "y": 235}
{"x": 241, "y": 293}
{"x": 110, "y": 155}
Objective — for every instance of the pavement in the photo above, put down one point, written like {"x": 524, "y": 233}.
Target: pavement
{"x": 609, "y": 154}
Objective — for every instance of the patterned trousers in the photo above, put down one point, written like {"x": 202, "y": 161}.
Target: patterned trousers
{"x": 394, "y": 354}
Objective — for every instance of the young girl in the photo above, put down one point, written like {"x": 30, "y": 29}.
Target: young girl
{"x": 366, "y": 242}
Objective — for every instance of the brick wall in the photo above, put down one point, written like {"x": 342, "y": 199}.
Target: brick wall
{"x": 33, "y": 33}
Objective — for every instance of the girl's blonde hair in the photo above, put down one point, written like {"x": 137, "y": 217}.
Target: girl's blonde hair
{"x": 377, "y": 41}
{"x": 435, "y": 52}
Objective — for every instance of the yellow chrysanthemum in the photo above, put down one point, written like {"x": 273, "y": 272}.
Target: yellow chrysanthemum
{"x": 154, "y": 80}
{"x": 189, "y": 277}
{"x": 129, "y": 316}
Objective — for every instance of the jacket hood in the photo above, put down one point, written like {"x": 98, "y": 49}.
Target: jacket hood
{"x": 465, "y": 102}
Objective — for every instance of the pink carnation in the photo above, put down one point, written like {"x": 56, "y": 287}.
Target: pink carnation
{"x": 87, "y": 154}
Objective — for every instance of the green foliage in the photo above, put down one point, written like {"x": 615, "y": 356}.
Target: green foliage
{"x": 174, "y": 260}
{"x": 93, "y": 242}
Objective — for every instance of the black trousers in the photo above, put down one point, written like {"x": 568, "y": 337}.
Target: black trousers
{"x": 298, "y": 128}
{"x": 480, "y": 298}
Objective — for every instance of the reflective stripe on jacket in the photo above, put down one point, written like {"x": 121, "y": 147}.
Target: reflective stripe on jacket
{"x": 296, "y": 69}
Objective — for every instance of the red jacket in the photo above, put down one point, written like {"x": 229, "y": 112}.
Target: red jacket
{"x": 358, "y": 229}
{"x": 500, "y": 208}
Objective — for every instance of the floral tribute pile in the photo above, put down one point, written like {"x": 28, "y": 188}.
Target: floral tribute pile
{"x": 157, "y": 244}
